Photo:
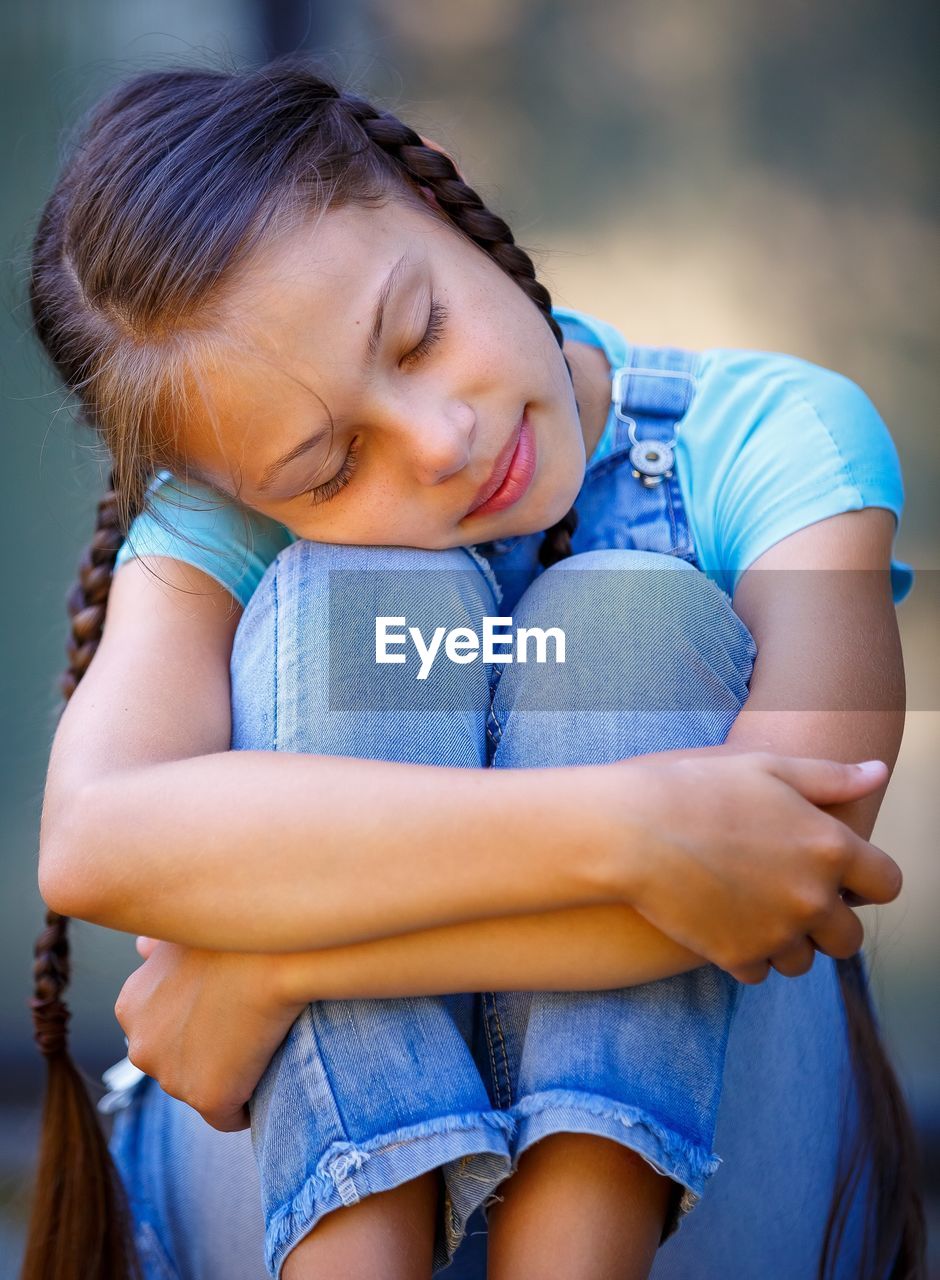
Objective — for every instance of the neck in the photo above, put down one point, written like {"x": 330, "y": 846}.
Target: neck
{"x": 591, "y": 374}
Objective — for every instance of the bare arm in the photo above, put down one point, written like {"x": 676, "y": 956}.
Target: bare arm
{"x": 171, "y": 848}
{"x": 151, "y": 825}
{"x": 575, "y": 949}
{"x": 830, "y": 679}
{"x": 828, "y": 639}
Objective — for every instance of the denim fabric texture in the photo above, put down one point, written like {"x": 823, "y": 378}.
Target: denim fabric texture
{"x": 740, "y": 1095}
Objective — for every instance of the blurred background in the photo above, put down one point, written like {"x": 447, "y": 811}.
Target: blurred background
{"x": 698, "y": 172}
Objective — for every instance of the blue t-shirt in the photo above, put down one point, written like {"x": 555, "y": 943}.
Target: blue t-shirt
{"x": 770, "y": 443}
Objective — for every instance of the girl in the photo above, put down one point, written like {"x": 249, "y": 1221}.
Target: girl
{"x": 269, "y": 293}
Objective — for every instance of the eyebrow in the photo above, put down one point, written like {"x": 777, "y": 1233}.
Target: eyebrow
{"x": 372, "y": 349}
{"x": 375, "y": 334}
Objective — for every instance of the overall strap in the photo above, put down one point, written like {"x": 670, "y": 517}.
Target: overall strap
{"x": 651, "y": 394}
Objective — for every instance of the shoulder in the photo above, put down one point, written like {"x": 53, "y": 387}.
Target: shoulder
{"x": 772, "y": 443}
{"x": 760, "y": 384}
{"x": 790, "y": 416}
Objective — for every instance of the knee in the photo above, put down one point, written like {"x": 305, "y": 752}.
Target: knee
{"x": 301, "y": 578}
{"x": 652, "y": 614}
{"x": 305, "y": 557}
{"x": 312, "y": 621}
{"x": 315, "y": 585}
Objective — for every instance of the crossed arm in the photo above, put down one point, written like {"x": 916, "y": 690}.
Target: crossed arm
{"x": 828, "y": 683}
{"x": 821, "y": 646}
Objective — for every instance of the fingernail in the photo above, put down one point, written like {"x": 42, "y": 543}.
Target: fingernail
{"x": 871, "y": 766}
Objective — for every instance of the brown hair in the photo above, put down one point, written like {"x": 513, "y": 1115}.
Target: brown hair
{"x": 176, "y": 176}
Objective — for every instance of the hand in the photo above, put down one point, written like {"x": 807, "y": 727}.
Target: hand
{"x": 741, "y": 864}
{"x": 205, "y": 1024}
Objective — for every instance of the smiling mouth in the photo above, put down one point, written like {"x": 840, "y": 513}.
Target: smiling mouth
{"x": 511, "y": 472}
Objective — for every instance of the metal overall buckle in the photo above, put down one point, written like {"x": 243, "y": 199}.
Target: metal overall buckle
{"x": 652, "y": 460}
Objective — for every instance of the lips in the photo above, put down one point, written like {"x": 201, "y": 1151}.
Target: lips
{"x": 500, "y": 468}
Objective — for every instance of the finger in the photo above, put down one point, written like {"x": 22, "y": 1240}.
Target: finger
{"x": 145, "y": 946}
{"x": 795, "y": 960}
{"x": 841, "y": 934}
{"x": 825, "y": 782}
{"x": 872, "y": 875}
{"x": 752, "y": 974}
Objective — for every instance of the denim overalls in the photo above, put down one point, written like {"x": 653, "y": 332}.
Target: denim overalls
{"x": 366, "y": 1094}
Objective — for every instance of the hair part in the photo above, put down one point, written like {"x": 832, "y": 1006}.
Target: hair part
{"x": 175, "y": 178}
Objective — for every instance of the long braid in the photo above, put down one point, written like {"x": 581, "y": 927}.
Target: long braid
{"x": 80, "y": 1226}
{"x": 436, "y": 172}
{"x": 88, "y": 600}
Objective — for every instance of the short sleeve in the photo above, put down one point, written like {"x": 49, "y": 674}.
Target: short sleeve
{"x": 776, "y": 443}
{"x": 187, "y": 521}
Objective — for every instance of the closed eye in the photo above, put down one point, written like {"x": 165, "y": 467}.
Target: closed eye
{"x": 330, "y": 488}
{"x": 436, "y": 321}
{"x": 437, "y": 318}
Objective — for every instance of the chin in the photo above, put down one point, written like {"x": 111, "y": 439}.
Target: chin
{"x": 563, "y": 500}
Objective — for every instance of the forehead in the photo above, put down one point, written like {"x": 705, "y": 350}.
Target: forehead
{"x": 326, "y": 270}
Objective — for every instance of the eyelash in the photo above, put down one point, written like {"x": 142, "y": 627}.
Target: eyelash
{"x": 436, "y": 319}
{"x": 324, "y": 492}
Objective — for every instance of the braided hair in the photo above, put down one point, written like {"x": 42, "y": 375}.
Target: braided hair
{"x": 174, "y": 178}
{"x": 79, "y": 1218}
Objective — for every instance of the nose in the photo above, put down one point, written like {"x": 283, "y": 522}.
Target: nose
{"x": 440, "y": 442}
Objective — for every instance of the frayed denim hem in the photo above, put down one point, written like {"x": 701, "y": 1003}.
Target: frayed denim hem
{"x": 567, "y": 1111}
{"x": 346, "y": 1171}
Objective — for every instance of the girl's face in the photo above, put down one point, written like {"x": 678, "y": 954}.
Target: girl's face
{"x": 423, "y": 354}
